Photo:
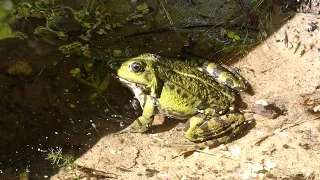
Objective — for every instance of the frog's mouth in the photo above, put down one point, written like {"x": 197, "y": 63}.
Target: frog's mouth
{"x": 135, "y": 87}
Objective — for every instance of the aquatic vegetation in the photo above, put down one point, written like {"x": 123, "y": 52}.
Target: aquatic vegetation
{"x": 57, "y": 158}
{"x": 141, "y": 10}
{"x": 72, "y": 31}
{"x": 6, "y": 18}
{"x": 233, "y": 36}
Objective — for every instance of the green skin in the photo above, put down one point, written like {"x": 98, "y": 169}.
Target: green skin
{"x": 203, "y": 96}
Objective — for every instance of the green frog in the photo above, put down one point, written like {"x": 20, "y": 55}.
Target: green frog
{"x": 203, "y": 96}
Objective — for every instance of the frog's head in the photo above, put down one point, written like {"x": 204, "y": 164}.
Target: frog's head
{"x": 138, "y": 70}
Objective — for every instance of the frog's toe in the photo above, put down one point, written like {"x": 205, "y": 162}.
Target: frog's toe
{"x": 183, "y": 152}
{"x": 129, "y": 129}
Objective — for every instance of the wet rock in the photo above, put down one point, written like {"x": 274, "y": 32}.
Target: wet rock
{"x": 20, "y": 68}
{"x": 269, "y": 110}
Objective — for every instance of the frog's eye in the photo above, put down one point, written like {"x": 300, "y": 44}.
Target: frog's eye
{"x": 135, "y": 67}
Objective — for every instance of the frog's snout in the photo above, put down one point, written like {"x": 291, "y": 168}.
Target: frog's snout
{"x": 114, "y": 65}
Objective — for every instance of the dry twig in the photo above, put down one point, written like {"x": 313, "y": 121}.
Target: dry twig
{"x": 281, "y": 129}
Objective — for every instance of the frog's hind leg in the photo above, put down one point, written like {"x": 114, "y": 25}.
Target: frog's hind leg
{"x": 226, "y": 76}
{"x": 213, "y": 132}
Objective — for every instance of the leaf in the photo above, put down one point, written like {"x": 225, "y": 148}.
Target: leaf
{"x": 5, "y": 8}
{"x": 236, "y": 37}
{"x": 117, "y": 52}
{"x": 86, "y": 25}
{"x": 94, "y": 95}
{"x": 108, "y": 27}
{"x": 75, "y": 72}
{"x": 105, "y": 82}
{"x": 145, "y": 11}
{"x": 95, "y": 79}
{"x": 230, "y": 34}
{"x": 142, "y": 7}
{"x": 5, "y": 31}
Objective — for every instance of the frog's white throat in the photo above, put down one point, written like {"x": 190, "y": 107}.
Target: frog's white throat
{"x": 136, "y": 90}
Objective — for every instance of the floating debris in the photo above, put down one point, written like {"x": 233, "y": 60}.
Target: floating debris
{"x": 20, "y": 68}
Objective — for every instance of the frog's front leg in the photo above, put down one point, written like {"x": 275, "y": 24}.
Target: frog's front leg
{"x": 214, "y": 131}
{"x": 226, "y": 76}
{"x": 145, "y": 120}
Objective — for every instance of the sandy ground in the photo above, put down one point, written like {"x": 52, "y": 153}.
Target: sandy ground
{"x": 290, "y": 150}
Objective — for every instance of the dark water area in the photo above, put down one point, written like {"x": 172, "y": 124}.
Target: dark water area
{"x": 50, "y": 108}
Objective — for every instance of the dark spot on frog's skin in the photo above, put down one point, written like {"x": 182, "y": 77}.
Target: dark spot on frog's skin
{"x": 217, "y": 109}
{"x": 185, "y": 95}
{"x": 205, "y": 127}
{"x": 216, "y": 97}
{"x": 169, "y": 112}
{"x": 229, "y": 82}
{"x": 182, "y": 113}
{"x": 139, "y": 122}
{"x": 169, "y": 70}
{"x": 178, "y": 90}
{"x": 179, "y": 68}
{"x": 219, "y": 120}
{"x": 202, "y": 105}
{"x": 156, "y": 64}
{"x": 171, "y": 86}
{"x": 186, "y": 126}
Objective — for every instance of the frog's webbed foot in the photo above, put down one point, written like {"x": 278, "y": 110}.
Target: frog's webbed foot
{"x": 200, "y": 130}
{"x": 187, "y": 149}
{"x": 182, "y": 149}
{"x": 140, "y": 125}
{"x": 129, "y": 129}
